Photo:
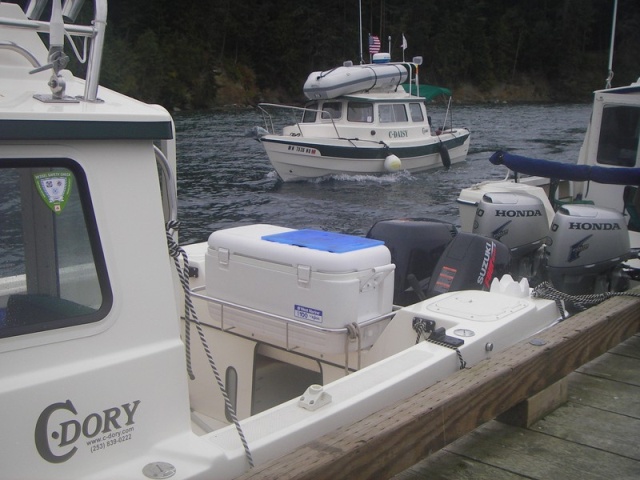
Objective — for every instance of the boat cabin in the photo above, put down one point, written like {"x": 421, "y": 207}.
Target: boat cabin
{"x": 612, "y": 141}
{"x": 365, "y": 111}
{"x": 380, "y": 117}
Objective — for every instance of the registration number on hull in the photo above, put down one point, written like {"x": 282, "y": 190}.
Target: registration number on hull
{"x": 303, "y": 150}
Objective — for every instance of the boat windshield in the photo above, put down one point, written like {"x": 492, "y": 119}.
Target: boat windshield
{"x": 619, "y": 135}
{"x": 360, "y": 112}
{"x": 392, "y": 113}
{"x": 310, "y": 113}
{"x": 332, "y": 110}
{"x": 51, "y": 268}
{"x": 416, "y": 112}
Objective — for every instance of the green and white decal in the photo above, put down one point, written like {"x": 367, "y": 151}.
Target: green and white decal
{"x": 54, "y": 188}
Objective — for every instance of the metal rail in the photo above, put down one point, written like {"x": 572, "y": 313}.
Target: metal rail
{"x": 14, "y": 47}
{"x": 268, "y": 117}
{"x": 287, "y": 322}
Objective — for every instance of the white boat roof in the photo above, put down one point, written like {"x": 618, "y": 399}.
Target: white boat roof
{"x": 383, "y": 96}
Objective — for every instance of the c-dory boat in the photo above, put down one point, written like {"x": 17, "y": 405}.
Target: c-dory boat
{"x": 361, "y": 120}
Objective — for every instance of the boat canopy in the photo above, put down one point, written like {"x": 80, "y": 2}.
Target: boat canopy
{"x": 428, "y": 92}
{"x": 567, "y": 171}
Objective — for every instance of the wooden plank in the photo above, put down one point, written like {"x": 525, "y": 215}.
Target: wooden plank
{"x": 541, "y": 456}
{"x": 526, "y": 413}
{"x": 596, "y": 427}
{"x": 444, "y": 465}
{"x": 593, "y": 427}
{"x": 614, "y": 367}
{"x": 606, "y": 394}
{"x": 630, "y": 348}
{"x": 399, "y": 436}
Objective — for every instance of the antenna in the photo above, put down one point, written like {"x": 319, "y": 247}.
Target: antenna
{"x": 58, "y": 60}
{"x": 360, "y": 16}
{"x": 613, "y": 33}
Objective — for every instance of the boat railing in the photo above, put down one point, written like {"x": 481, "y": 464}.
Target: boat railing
{"x": 351, "y": 333}
{"x": 271, "y": 111}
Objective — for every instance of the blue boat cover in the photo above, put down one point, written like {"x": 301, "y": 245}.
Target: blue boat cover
{"x": 324, "y": 241}
{"x": 567, "y": 171}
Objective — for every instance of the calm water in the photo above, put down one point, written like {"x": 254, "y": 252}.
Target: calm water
{"x": 225, "y": 178}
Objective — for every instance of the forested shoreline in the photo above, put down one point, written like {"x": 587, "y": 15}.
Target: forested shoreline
{"x": 200, "y": 54}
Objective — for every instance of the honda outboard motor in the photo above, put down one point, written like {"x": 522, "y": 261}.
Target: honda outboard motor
{"x": 519, "y": 220}
{"x": 585, "y": 250}
{"x": 470, "y": 262}
{"x": 415, "y": 246}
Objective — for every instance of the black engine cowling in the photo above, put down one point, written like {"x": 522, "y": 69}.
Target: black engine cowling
{"x": 415, "y": 246}
{"x": 470, "y": 262}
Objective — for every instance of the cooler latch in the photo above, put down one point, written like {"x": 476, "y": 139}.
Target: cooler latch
{"x": 223, "y": 256}
{"x": 304, "y": 275}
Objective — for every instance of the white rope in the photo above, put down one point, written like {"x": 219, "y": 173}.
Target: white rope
{"x": 190, "y": 316}
{"x": 581, "y": 302}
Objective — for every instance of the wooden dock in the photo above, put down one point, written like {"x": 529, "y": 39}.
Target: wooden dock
{"x": 595, "y": 435}
{"x": 448, "y": 431}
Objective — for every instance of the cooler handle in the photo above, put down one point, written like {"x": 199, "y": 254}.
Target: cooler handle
{"x": 378, "y": 274}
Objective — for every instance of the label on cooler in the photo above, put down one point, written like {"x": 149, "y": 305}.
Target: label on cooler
{"x": 307, "y": 314}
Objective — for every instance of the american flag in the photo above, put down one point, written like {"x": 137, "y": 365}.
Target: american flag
{"x": 374, "y": 44}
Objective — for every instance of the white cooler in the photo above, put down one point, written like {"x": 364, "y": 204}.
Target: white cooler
{"x": 322, "y": 281}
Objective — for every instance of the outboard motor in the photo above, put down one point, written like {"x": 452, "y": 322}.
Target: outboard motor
{"x": 470, "y": 262}
{"x": 585, "y": 250}
{"x": 415, "y": 246}
{"x": 520, "y": 221}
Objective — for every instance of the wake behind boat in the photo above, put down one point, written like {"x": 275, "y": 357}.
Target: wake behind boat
{"x": 361, "y": 119}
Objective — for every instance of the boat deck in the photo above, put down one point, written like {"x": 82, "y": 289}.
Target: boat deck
{"x": 448, "y": 430}
{"x": 593, "y": 436}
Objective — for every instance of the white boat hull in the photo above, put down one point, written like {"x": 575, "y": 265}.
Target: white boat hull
{"x": 301, "y": 158}
{"x": 394, "y": 368}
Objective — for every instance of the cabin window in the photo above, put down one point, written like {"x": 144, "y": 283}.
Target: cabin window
{"x": 331, "y": 110}
{"x": 310, "y": 113}
{"x": 360, "y": 112}
{"x": 52, "y": 272}
{"x": 392, "y": 113}
{"x": 416, "y": 112}
{"x": 619, "y": 132}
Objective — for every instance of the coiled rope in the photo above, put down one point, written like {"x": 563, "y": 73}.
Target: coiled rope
{"x": 580, "y": 302}
{"x": 190, "y": 315}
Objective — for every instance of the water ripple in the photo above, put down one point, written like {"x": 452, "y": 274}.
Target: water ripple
{"x": 225, "y": 178}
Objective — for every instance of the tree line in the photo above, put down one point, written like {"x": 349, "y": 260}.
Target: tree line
{"x": 193, "y": 54}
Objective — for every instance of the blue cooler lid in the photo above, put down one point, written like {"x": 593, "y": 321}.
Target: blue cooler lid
{"x": 324, "y": 241}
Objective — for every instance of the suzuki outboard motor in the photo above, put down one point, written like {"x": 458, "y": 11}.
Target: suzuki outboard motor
{"x": 518, "y": 220}
{"x": 470, "y": 262}
{"x": 415, "y": 246}
{"x": 585, "y": 250}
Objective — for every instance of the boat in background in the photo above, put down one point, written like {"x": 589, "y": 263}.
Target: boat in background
{"x": 361, "y": 120}
{"x": 591, "y": 208}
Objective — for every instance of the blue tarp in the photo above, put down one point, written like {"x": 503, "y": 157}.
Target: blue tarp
{"x": 567, "y": 171}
